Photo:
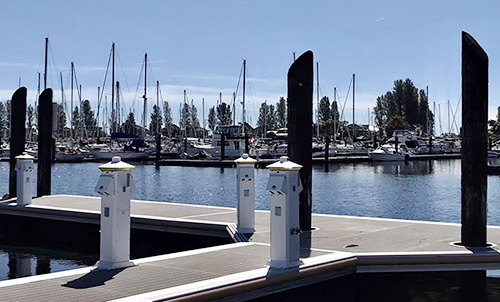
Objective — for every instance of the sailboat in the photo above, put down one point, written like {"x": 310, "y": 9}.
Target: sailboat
{"x": 234, "y": 135}
{"x": 127, "y": 146}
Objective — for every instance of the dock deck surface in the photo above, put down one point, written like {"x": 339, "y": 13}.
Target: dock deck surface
{"x": 339, "y": 243}
{"x": 333, "y": 232}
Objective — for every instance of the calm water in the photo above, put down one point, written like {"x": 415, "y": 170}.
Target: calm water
{"x": 420, "y": 190}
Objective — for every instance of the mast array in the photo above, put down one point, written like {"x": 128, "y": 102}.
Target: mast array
{"x": 145, "y": 91}
{"x": 113, "y": 118}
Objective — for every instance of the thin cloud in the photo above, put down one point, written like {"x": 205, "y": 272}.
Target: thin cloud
{"x": 379, "y": 19}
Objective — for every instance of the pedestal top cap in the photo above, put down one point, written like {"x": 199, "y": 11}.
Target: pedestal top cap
{"x": 25, "y": 156}
{"x": 116, "y": 164}
{"x": 284, "y": 165}
{"x": 245, "y": 160}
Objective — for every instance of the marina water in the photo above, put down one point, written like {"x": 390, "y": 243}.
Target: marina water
{"x": 416, "y": 190}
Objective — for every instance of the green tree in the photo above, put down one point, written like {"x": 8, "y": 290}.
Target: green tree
{"x": 212, "y": 119}
{"x": 281, "y": 113}
{"x": 30, "y": 117}
{"x": 396, "y": 123}
{"x": 335, "y": 111}
{"x": 75, "y": 119}
{"x": 89, "y": 121}
{"x": 8, "y": 111}
{"x": 130, "y": 125}
{"x": 156, "y": 120}
{"x": 325, "y": 112}
{"x": 167, "y": 116}
{"x": 262, "y": 121}
{"x": 61, "y": 119}
{"x": 194, "y": 117}
{"x": 3, "y": 117}
{"x": 404, "y": 106}
{"x": 224, "y": 115}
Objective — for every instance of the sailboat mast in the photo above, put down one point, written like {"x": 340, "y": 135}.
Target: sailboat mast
{"x": 317, "y": 98}
{"x": 203, "y": 109}
{"x": 335, "y": 120}
{"x": 145, "y": 90}
{"x": 244, "y": 88}
{"x": 63, "y": 103}
{"x": 118, "y": 106}
{"x": 82, "y": 125}
{"x": 234, "y": 108}
{"x": 353, "y": 103}
{"x": 71, "y": 113}
{"x": 38, "y": 94}
{"x": 434, "y": 112}
{"x": 427, "y": 111}
{"x": 157, "y": 107}
{"x": 449, "y": 127}
{"x": 46, "y": 56}
{"x": 97, "y": 119}
{"x": 185, "y": 118}
{"x": 113, "y": 88}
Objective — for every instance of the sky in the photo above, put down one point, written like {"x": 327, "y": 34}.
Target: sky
{"x": 199, "y": 46}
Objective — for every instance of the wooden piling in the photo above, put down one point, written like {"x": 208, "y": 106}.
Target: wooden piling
{"x": 300, "y": 129}
{"x": 247, "y": 144}
{"x": 474, "y": 141}
{"x": 222, "y": 146}
{"x": 17, "y": 134}
{"x": 44, "y": 142}
{"x": 158, "y": 147}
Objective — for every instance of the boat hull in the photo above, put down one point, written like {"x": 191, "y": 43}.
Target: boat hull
{"x": 125, "y": 155}
{"x": 386, "y": 156}
{"x": 69, "y": 157}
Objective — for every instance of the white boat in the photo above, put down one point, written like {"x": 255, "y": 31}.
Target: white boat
{"x": 126, "y": 152}
{"x": 64, "y": 154}
{"x": 332, "y": 152}
{"x": 387, "y": 153}
{"x": 108, "y": 154}
{"x": 234, "y": 141}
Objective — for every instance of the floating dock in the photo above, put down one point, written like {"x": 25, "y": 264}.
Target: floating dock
{"x": 339, "y": 245}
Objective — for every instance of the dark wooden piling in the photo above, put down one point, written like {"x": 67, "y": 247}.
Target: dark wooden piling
{"x": 300, "y": 128}
{"x": 222, "y": 146}
{"x": 474, "y": 141}
{"x": 44, "y": 142}
{"x": 17, "y": 134}
{"x": 158, "y": 147}
{"x": 247, "y": 144}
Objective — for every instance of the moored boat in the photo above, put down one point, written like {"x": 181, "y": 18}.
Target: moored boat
{"x": 387, "y": 153}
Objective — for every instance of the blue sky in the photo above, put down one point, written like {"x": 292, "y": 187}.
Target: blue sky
{"x": 200, "y": 45}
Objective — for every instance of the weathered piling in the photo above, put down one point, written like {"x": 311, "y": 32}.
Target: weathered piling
{"x": 474, "y": 141}
{"x": 17, "y": 134}
{"x": 158, "y": 147}
{"x": 222, "y": 146}
{"x": 44, "y": 142}
{"x": 247, "y": 144}
{"x": 300, "y": 127}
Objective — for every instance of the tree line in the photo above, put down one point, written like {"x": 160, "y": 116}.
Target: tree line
{"x": 404, "y": 107}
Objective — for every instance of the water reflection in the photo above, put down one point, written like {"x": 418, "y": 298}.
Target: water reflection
{"x": 17, "y": 262}
{"x": 404, "y": 168}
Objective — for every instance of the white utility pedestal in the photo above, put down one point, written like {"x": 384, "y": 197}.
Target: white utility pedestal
{"x": 115, "y": 185}
{"x": 24, "y": 179}
{"x": 245, "y": 184}
{"x": 284, "y": 185}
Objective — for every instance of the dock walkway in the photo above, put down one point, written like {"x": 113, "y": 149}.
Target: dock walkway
{"x": 338, "y": 245}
